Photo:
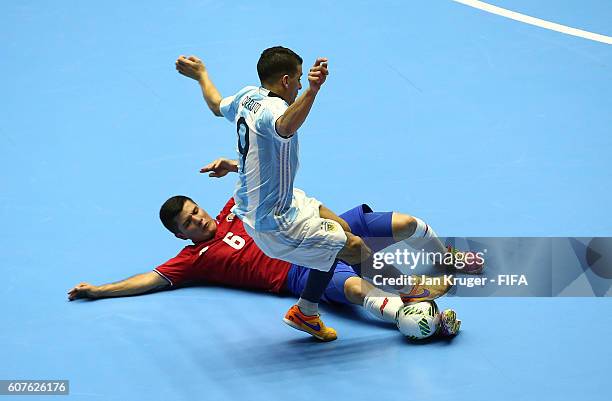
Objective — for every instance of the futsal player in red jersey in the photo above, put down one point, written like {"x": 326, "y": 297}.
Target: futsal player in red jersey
{"x": 223, "y": 253}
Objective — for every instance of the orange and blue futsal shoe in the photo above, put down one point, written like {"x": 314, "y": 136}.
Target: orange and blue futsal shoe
{"x": 426, "y": 289}
{"x": 312, "y": 325}
{"x": 466, "y": 261}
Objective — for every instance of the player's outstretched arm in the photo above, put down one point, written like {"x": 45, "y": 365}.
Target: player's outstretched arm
{"x": 296, "y": 114}
{"x": 135, "y": 285}
{"x": 220, "y": 167}
{"x": 194, "y": 68}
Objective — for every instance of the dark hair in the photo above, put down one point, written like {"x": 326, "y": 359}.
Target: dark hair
{"x": 170, "y": 209}
{"x": 276, "y": 62}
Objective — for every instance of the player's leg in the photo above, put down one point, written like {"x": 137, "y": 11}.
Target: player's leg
{"x": 385, "y": 305}
{"x": 395, "y": 227}
{"x": 356, "y": 250}
{"x": 353, "y": 252}
{"x": 381, "y": 304}
{"x": 346, "y": 287}
{"x": 417, "y": 233}
{"x": 382, "y": 229}
{"x": 300, "y": 244}
{"x": 406, "y": 227}
{"x": 304, "y": 315}
{"x": 317, "y": 242}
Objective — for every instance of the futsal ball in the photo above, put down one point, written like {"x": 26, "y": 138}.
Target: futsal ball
{"x": 419, "y": 320}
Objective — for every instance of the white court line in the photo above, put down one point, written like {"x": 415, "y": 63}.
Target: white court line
{"x": 481, "y": 5}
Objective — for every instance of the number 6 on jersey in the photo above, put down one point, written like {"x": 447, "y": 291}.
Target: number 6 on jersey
{"x": 234, "y": 241}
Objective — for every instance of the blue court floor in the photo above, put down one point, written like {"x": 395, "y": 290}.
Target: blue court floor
{"x": 479, "y": 124}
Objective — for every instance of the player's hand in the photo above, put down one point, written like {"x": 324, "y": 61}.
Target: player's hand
{"x": 220, "y": 168}
{"x": 318, "y": 74}
{"x": 83, "y": 290}
{"x": 191, "y": 67}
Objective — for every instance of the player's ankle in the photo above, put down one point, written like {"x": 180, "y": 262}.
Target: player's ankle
{"x": 307, "y": 307}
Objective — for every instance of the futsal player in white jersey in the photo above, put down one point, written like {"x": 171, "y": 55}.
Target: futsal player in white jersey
{"x": 282, "y": 220}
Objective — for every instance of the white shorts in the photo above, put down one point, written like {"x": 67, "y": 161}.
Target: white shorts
{"x": 310, "y": 241}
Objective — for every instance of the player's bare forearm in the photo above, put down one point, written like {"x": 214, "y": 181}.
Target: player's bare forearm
{"x": 134, "y": 285}
{"x": 137, "y": 284}
{"x": 211, "y": 95}
{"x": 296, "y": 114}
{"x": 192, "y": 67}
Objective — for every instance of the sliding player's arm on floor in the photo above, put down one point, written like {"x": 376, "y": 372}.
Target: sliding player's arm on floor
{"x": 195, "y": 69}
{"x": 138, "y": 284}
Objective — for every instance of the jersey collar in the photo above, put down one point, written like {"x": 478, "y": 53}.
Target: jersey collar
{"x": 269, "y": 93}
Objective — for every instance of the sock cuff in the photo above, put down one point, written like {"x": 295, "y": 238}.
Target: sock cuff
{"x": 422, "y": 229}
{"x": 383, "y": 305}
{"x": 376, "y": 293}
{"x": 307, "y": 307}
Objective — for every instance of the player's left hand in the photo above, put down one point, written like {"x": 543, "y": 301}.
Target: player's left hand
{"x": 318, "y": 74}
{"x": 220, "y": 168}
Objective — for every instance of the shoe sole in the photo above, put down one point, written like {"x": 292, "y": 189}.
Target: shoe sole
{"x": 479, "y": 271}
{"x": 297, "y": 327}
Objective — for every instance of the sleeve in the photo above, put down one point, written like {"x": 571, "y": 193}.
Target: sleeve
{"x": 226, "y": 209}
{"x": 229, "y": 105}
{"x": 177, "y": 270}
{"x": 266, "y": 122}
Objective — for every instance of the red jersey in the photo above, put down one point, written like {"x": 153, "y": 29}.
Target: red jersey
{"x": 231, "y": 258}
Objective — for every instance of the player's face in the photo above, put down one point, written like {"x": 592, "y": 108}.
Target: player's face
{"x": 295, "y": 84}
{"x": 195, "y": 224}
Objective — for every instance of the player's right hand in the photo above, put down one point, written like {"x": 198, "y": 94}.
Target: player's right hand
{"x": 82, "y": 290}
{"x": 220, "y": 168}
{"x": 191, "y": 67}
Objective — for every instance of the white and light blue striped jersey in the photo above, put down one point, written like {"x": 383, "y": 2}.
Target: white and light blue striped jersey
{"x": 267, "y": 162}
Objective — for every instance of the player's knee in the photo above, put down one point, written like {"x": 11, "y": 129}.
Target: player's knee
{"x": 404, "y": 226}
{"x": 354, "y": 290}
{"x": 356, "y": 249}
